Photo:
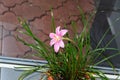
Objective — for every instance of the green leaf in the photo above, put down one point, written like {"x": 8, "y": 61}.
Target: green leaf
{"x": 53, "y": 26}
{"x": 107, "y": 58}
{"x": 27, "y": 73}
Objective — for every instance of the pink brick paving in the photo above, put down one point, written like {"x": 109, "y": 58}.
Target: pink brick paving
{"x": 37, "y": 12}
{"x": 0, "y": 39}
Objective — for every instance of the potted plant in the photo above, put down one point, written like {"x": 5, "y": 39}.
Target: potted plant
{"x": 68, "y": 58}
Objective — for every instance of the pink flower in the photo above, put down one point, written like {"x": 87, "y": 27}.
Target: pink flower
{"x": 56, "y": 38}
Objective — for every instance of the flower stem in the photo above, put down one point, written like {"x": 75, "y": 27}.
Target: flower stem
{"x": 68, "y": 39}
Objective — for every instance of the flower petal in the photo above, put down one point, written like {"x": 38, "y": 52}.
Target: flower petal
{"x": 58, "y": 30}
{"x": 56, "y": 47}
{"x": 61, "y": 44}
{"x": 63, "y": 32}
{"x": 52, "y": 42}
{"x": 52, "y": 35}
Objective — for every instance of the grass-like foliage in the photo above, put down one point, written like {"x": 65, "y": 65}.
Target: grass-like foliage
{"x": 68, "y": 58}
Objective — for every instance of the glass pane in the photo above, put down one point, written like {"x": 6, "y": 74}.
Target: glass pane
{"x": 114, "y": 23}
{"x": 13, "y": 74}
{"x": 117, "y": 6}
{"x": 107, "y": 17}
{"x": 11, "y": 68}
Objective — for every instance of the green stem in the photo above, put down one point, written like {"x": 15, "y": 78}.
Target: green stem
{"x": 68, "y": 39}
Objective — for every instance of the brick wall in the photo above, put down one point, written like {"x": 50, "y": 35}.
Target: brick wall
{"x": 37, "y": 12}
